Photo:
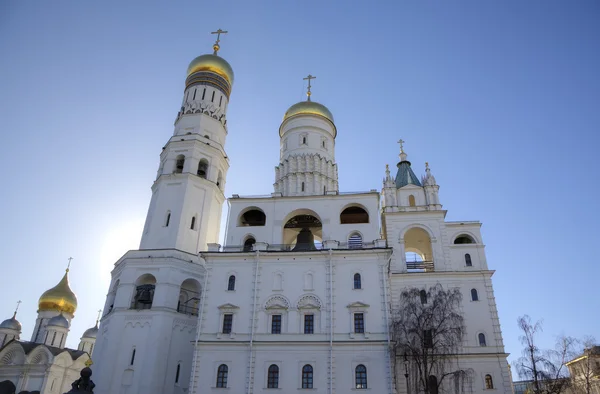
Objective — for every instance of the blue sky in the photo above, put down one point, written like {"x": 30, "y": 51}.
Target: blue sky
{"x": 502, "y": 99}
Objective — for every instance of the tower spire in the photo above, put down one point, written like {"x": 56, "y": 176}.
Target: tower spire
{"x": 308, "y": 93}
{"x": 216, "y": 45}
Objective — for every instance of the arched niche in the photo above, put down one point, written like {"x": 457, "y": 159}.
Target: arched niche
{"x": 354, "y": 214}
{"x": 143, "y": 295}
{"x": 418, "y": 249}
{"x": 252, "y": 216}
{"x": 189, "y": 297}
{"x": 464, "y": 239}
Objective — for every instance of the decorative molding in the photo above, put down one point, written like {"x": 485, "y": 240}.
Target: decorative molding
{"x": 277, "y": 302}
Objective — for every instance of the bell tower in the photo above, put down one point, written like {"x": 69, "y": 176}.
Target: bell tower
{"x": 187, "y": 195}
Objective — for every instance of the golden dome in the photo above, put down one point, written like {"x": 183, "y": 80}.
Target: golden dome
{"x": 308, "y": 108}
{"x": 212, "y": 63}
{"x": 59, "y": 298}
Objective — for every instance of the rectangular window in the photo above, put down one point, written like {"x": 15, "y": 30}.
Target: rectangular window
{"x": 428, "y": 339}
{"x": 359, "y": 323}
{"x": 309, "y": 324}
{"x": 227, "y": 323}
{"x": 194, "y": 98}
{"x": 212, "y": 99}
{"x": 276, "y": 324}
{"x": 220, "y": 101}
{"x": 203, "y": 93}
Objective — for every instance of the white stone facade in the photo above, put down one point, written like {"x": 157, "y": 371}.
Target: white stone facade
{"x": 301, "y": 294}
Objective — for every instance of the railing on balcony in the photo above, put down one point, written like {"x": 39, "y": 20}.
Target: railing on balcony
{"x": 419, "y": 266}
{"x": 292, "y": 247}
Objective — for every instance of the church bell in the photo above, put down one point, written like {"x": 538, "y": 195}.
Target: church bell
{"x": 305, "y": 241}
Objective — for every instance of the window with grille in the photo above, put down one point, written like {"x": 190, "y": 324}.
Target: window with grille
{"x": 357, "y": 282}
{"x": 307, "y": 377}
{"x": 474, "y": 295}
{"x": 489, "y": 383}
{"x": 468, "y": 261}
{"x": 222, "y": 376}
{"x": 359, "y": 323}
{"x": 273, "y": 377}
{"x": 227, "y": 323}
{"x": 355, "y": 241}
{"x": 309, "y": 324}
{"x": 231, "y": 283}
{"x": 360, "y": 377}
{"x": 276, "y": 324}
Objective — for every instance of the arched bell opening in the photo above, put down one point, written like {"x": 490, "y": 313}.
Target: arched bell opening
{"x": 144, "y": 292}
{"x": 419, "y": 254}
{"x": 303, "y": 232}
{"x": 189, "y": 297}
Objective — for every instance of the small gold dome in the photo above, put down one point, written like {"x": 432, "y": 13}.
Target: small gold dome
{"x": 308, "y": 108}
{"x": 212, "y": 63}
{"x": 59, "y": 298}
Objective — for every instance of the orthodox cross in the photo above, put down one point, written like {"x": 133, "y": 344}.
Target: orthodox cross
{"x": 98, "y": 318}
{"x": 216, "y": 46}
{"x": 69, "y": 265}
{"x": 308, "y": 91}
{"x": 401, "y": 142}
{"x": 17, "y": 308}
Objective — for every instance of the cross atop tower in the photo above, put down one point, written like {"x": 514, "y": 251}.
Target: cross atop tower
{"x": 216, "y": 45}
{"x": 17, "y": 308}
{"x": 69, "y": 264}
{"x": 308, "y": 91}
{"x": 401, "y": 142}
{"x": 98, "y": 318}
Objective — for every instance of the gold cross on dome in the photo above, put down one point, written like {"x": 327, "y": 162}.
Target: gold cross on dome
{"x": 308, "y": 91}
{"x": 216, "y": 45}
{"x": 69, "y": 264}
{"x": 401, "y": 142}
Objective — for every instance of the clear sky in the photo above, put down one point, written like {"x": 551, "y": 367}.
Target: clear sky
{"x": 501, "y": 97}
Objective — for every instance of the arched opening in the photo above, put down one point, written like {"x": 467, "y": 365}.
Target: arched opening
{"x": 273, "y": 377}
{"x": 468, "y": 261}
{"x": 357, "y": 281}
{"x": 249, "y": 244}
{"x": 252, "y": 217}
{"x": 360, "y": 377}
{"x": 222, "y": 376}
{"x": 203, "y": 168}
{"x": 144, "y": 292}
{"x": 432, "y": 382}
{"x": 231, "y": 283}
{"x": 355, "y": 241}
{"x": 464, "y": 239}
{"x": 489, "y": 382}
{"x": 189, "y": 297}
{"x": 419, "y": 254}
{"x": 411, "y": 201}
{"x": 179, "y": 162}
{"x": 307, "y": 376}
{"x": 423, "y": 296}
{"x": 303, "y": 232}
{"x": 353, "y": 215}
{"x": 481, "y": 338}
{"x": 474, "y": 295}
{"x": 110, "y": 302}
{"x": 302, "y": 186}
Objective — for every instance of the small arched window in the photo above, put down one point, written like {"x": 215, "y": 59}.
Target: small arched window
{"x": 304, "y": 140}
{"x": 432, "y": 382}
{"x": 468, "y": 261}
{"x": 273, "y": 377}
{"x": 203, "y": 168}
{"x": 482, "y": 339}
{"x": 411, "y": 201}
{"x": 249, "y": 244}
{"x": 193, "y": 225}
{"x": 354, "y": 215}
{"x": 464, "y": 239}
{"x": 307, "y": 377}
{"x": 423, "y": 296}
{"x": 357, "y": 281}
{"x": 474, "y": 295}
{"x": 177, "y": 372}
{"x": 355, "y": 241}
{"x": 168, "y": 219}
{"x": 489, "y": 383}
{"x": 179, "y": 162}
{"x": 360, "y": 377}
{"x": 302, "y": 186}
{"x": 222, "y": 376}
{"x": 231, "y": 283}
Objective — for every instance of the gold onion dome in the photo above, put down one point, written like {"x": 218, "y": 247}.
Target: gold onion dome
{"x": 212, "y": 63}
{"x": 59, "y": 298}
{"x": 308, "y": 108}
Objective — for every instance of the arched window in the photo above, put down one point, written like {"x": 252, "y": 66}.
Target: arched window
{"x": 464, "y": 239}
{"x": 474, "y": 295}
{"x": 302, "y": 186}
{"x": 168, "y": 219}
{"x": 177, "y": 372}
{"x": 489, "y": 383}
{"x": 179, "y": 162}
{"x": 411, "y": 201}
{"x": 203, "y": 168}
{"x": 304, "y": 140}
{"x": 423, "y": 296}
{"x": 144, "y": 292}
{"x": 482, "y": 339}
{"x": 468, "y": 260}
{"x": 432, "y": 382}
{"x": 273, "y": 377}
{"x": 222, "y": 376}
{"x": 249, "y": 244}
{"x": 253, "y": 217}
{"x": 360, "y": 377}
{"x": 193, "y": 225}
{"x": 354, "y": 215}
{"x": 231, "y": 283}
{"x": 357, "y": 282}
{"x": 307, "y": 377}
{"x": 355, "y": 241}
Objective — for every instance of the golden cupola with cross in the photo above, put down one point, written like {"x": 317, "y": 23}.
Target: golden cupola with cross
{"x": 59, "y": 298}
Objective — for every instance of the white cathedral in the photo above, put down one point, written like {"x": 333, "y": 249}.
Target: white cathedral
{"x": 299, "y": 296}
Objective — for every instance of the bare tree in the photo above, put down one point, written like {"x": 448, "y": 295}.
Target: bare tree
{"x": 428, "y": 329}
{"x": 584, "y": 371}
{"x": 545, "y": 368}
